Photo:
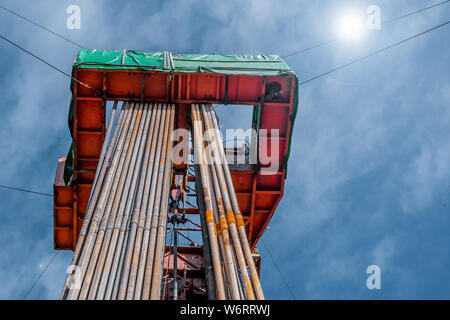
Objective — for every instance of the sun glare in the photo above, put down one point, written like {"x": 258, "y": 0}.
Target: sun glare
{"x": 350, "y": 26}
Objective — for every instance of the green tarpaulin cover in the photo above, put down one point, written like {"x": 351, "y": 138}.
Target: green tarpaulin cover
{"x": 256, "y": 65}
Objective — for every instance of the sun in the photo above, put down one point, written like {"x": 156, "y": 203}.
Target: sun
{"x": 350, "y": 26}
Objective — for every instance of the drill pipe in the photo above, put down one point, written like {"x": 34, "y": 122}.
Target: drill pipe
{"x": 223, "y": 226}
{"x": 211, "y": 223}
{"x": 162, "y": 222}
{"x": 122, "y": 227}
{"x": 238, "y": 216}
{"x": 100, "y": 172}
{"x": 229, "y": 218}
{"x": 125, "y": 225}
{"x": 122, "y": 188}
{"x": 146, "y": 206}
{"x": 121, "y": 245}
{"x": 115, "y": 194}
{"x": 114, "y": 226}
{"x": 150, "y": 225}
{"x": 100, "y": 203}
{"x": 137, "y": 210}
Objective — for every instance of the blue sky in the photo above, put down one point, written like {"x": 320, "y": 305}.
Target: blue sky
{"x": 369, "y": 172}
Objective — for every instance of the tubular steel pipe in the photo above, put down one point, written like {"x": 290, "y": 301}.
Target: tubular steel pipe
{"x": 91, "y": 263}
{"x": 105, "y": 150}
{"x": 146, "y": 207}
{"x": 221, "y": 243}
{"x": 114, "y": 226}
{"x": 209, "y": 271}
{"x": 122, "y": 227}
{"x": 122, "y": 289}
{"x": 223, "y": 227}
{"x": 99, "y": 174}
{"x": 238, "y": 216}
{"x": 114, "y": 285}
{"x": 87, "y": 222}
{"x": 107, "y": 225}
{"x": 150, "y": 226}
{"x": 114, "y": 197}
{"x": 91, "y": 235}
{"x": 120, "y": 252}
{"x": 211, "y": 223}
{"x": 230, "y": 218}
{"x": 162, "y": 222}
{"x": 175, "y": 257}
{"x": 127, "y": 224}
{"x": 153, "y": 212}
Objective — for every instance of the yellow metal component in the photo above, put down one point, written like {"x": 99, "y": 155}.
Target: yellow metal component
{"x": 240, "y": 220}
{"x": 209, "y": 216}
{"x": 223, "y": 223}
{"x": 230, "y": 217}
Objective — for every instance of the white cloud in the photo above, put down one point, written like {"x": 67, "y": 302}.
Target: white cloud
{"x": 383, "y": 251}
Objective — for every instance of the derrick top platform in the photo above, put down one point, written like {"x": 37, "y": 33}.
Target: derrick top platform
{"x": 182, "y": 78}
{"x": 263, "y": 81}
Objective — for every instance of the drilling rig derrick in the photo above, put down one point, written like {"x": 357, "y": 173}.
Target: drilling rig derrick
{"x": 122, "y": 202}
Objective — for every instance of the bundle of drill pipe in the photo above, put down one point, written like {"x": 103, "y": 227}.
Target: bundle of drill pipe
{"x": 230, "y": 251}
{"x": 121, "y": 244}
{"x": 120, "y": 249}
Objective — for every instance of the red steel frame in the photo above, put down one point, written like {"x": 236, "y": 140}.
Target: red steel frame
{"x": 258, "y": 194}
